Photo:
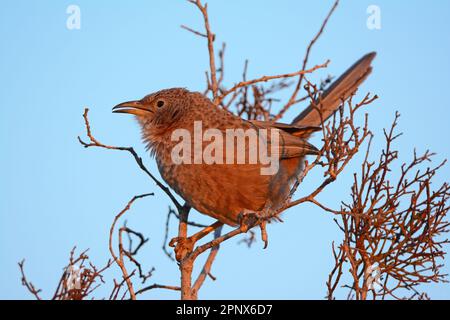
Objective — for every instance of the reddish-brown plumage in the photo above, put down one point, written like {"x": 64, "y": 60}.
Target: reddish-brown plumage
{"x": 224, "y": 191}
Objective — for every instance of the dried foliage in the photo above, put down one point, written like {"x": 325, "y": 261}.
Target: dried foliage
{"x": 393, "y": 228}
{"x": 80, "y": 278}
{"x": 394, "y": 225}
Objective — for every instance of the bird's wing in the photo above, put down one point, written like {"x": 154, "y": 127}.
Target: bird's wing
{"x": 340, "y": 90}
{"x": 292, "y": 139}
{"x": 294, "y": 147}
{"x": 295, "y": 130}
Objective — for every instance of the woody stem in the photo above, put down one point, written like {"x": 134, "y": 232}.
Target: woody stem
{"x": 186, "y": 265}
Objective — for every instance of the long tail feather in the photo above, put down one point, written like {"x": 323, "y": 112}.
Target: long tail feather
{"x": 341, "y": 89}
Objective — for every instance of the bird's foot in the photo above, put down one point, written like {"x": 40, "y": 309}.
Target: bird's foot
{"x": 183, "y": 246}
{"x": 248, "y": 220}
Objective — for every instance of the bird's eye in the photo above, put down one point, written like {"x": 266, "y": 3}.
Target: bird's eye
{"x": 160, "y": 103}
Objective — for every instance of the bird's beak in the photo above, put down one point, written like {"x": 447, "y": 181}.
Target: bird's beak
{"x": 131, "y": 107}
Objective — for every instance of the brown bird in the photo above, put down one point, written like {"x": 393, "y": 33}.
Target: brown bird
{"x": 227, "y": 192}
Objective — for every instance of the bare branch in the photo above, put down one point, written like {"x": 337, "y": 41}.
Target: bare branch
{"x": 120, "y": 260}
{"x": 207, "y": 266}
{"x": 211, "y": 37}
{"x": 30, "y": 287}
{"x": 157, "y": 286}
{"x": 293, "y": 99}
{"x": 268, "y": 78}
{"x": 194, "y": 31}
{"x": 95, "y": 143}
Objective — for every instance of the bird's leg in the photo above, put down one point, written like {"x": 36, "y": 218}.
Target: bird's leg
{"x": 264, "y": 236}
{"x": 185, "y": 245}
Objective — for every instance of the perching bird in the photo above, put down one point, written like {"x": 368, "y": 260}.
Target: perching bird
{"x": 226, "y": 191}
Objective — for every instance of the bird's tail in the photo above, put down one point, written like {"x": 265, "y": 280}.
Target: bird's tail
{"x": 340, "y": 90}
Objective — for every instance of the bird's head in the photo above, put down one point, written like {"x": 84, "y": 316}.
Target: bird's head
{"x": 162, "y": 108}
{"x": 161, "y": 112}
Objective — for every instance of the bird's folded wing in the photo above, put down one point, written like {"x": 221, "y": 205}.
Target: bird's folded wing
{"x": 292, "y": 141}
{"x": 294, "y": 147}
{"x": 295, "y": 130}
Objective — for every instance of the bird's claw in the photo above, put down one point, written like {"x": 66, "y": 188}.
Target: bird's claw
{"x": 183, "y": 246}
{"x": 264, "y": 236}
{"x": 249, "y": 220}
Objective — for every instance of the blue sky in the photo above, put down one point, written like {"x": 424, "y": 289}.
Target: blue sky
{"x": 55, "y": 194}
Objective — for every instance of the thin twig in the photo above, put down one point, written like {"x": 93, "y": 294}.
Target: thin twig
{"x": 95, "y": 143}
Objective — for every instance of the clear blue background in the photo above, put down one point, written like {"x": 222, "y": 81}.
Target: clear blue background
{"x": 55, "y": 194}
